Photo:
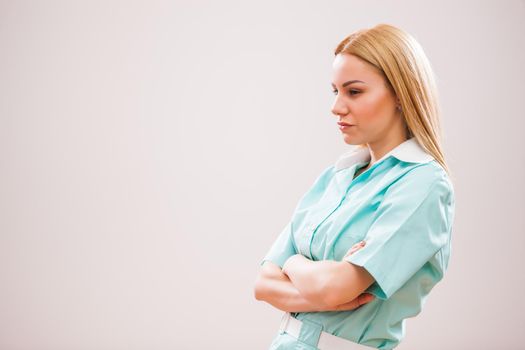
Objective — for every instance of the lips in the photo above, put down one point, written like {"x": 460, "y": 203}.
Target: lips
{"x": 344, "y": 124}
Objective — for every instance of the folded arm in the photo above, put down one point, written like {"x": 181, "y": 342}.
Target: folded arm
{"x": 327, "y": 282}
{"x": 274, "y": 287}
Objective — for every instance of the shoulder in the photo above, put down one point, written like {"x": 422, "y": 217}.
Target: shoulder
{"x": 429, "y": 176}
{"x": 423, "y": 186}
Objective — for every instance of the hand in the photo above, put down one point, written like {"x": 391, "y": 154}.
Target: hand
{"x": 354, "y": 248}
{"x": 363, "y": 298}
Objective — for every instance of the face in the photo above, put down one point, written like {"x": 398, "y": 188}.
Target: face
{"x": 368, "y": 105}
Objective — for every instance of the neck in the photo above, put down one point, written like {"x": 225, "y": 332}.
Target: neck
{"x": 381, "y": 147}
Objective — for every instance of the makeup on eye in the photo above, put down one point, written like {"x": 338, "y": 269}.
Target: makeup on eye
{"x": 351, "y": 92}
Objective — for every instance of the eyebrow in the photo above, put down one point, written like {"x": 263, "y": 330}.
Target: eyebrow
{"x": 350, "y": 82}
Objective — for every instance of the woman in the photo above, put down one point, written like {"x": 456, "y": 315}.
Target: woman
{"x": 392, "y": 192}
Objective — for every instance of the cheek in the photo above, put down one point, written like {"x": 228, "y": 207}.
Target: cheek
{"x": 373, "y": 110}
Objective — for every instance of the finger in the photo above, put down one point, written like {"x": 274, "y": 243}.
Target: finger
{"x": 365, "y": 298}
{"x": 358, "y": 245}
{"x": 362, "y": 299}
{"x": 355, "y": 247}
{"x": 353, "y": 304}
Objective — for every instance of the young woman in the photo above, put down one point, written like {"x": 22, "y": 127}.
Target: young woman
{"x": 392, "y": 192}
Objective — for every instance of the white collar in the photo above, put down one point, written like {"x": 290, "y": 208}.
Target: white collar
{"x": 407, "y": 151}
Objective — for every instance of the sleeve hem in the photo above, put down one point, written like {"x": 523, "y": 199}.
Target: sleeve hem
{"x": 278, "y": 262}
{"x": 378, "y": 287}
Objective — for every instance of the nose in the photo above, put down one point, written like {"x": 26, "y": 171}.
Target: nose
{"x": 339, "y": 108}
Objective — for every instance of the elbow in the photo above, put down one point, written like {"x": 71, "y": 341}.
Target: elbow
{"x": 258, "y": 288}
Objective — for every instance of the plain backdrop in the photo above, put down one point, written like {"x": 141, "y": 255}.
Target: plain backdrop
{"x": 151, "y": 152}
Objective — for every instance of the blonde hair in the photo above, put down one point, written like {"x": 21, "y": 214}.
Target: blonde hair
{"x": 408, "y": 73}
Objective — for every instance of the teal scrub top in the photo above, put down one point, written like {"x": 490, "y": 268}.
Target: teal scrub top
{"x": 403, "y": 207}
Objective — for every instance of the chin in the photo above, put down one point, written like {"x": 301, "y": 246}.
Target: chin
{"x": 352, "y": 141}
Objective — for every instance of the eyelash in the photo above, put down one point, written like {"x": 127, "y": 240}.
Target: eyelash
{"x": 356, "y": 92}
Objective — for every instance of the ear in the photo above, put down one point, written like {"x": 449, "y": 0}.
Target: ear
{"x": 398, "y": 104}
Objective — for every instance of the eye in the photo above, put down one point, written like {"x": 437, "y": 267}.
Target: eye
{"x": 351, "y": 92}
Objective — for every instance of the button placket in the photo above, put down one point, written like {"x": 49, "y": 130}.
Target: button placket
{"x": 310, "y": 229}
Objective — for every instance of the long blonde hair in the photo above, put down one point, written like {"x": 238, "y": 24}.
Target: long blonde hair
{"x": 408, "y": 73}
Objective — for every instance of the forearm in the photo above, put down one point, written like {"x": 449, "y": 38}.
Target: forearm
{"x": 281, "y": 293}
{"x": 311, "y": 278}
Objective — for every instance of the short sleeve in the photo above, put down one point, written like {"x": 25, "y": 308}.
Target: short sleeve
{"x": 284, "y": 246}
{"x": 412, "y": 223}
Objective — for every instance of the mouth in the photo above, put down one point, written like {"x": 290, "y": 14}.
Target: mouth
{"x": 344, "y": 126}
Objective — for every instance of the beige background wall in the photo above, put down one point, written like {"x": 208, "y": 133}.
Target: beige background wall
{"x": 150, "y": 153}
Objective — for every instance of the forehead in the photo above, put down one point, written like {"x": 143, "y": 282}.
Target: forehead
{"x": 349, "y": 67}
